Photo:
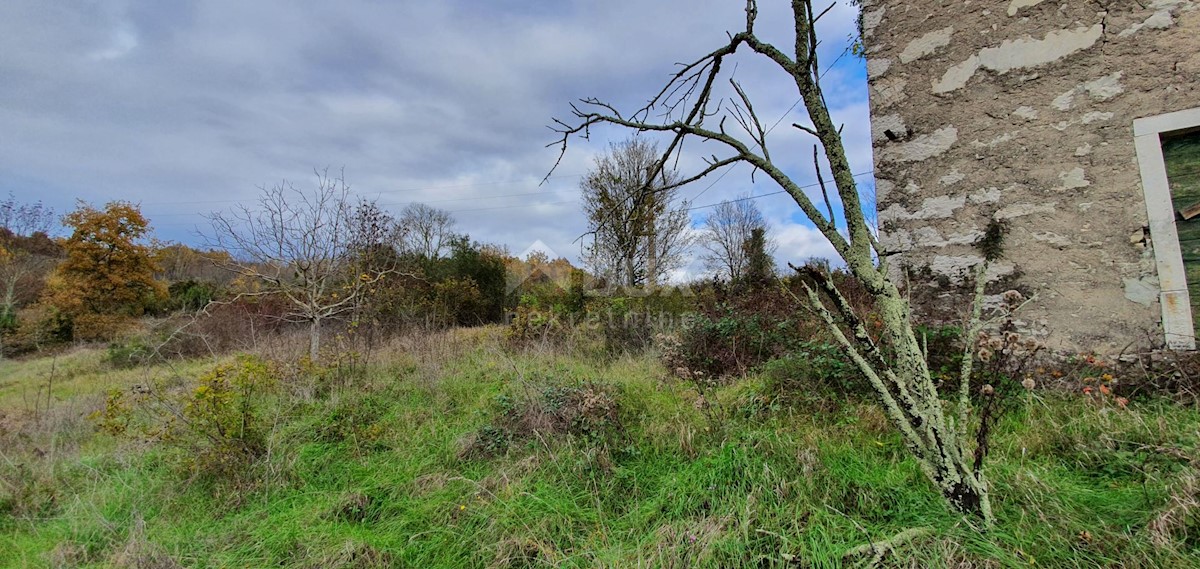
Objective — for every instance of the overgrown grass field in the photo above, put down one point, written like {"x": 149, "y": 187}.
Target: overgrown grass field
{"x": 454, "y": 451}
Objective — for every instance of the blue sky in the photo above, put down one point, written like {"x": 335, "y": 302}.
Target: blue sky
{"x": 189, "y": 107}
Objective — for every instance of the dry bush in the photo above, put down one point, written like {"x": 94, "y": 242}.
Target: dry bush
{"x": 141, "y": 553}
{"x": 540, "y": 409}
{"x": 738, "y": 328}
{"x": 515, "y": 553}
{"x": 353, "y": 555}
{"x": 67, "y": 555}
{"x": 222, "y": 328}
{"x": 688, "y": 543}
{"x": 34, "y": 443}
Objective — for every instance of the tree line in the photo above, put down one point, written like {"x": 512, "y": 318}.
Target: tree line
{"x": 312, "y": 255}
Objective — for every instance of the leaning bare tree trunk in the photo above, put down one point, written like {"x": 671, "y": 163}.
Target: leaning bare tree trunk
{"x": 314, "y": 339}
{"x": 894, "y": 363}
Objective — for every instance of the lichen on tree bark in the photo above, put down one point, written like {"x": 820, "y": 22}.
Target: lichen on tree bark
{"x": 688, "y": 107}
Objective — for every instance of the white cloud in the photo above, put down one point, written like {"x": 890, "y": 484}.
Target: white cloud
{"x": 123, "y": 41}
{"x": 798, "y": 243}
{"x": 189, "y": 107}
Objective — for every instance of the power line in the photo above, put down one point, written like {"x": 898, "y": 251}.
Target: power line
{"x": 747, "y": 198}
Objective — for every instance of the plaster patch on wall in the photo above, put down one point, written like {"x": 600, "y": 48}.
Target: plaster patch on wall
{"x": 958, "y": 267}
{"x": 877, "y": 67}
{"x": 883, "y": 188}
{"x": 939, "y": 207}
{"x": 1027, "y": 113}
{"x": 1016, "y": 5}
{"x": 986, "y": 195}
{"x": 1029, "y": 52}
{"x": 1084, "y": 150}
{"x": 957, "y": 76}
{"x": 1101, "y": 89}
{"x": 922, "y": 147}
{"x": 1064, "y": 101}
{"x": 1052, "y": 238}
{"x": 891, "y": 122}
{"x": 993, "y": 142}
{"x": 1096, "y": 116}
{"x": 1105, "y": 88}
{"x": 926, "y": 44}
{"x": 1159, "y": 20}
{"x": 871, "y": 20}
{"x": 1076, "y": 178}
{"x": 1023, "y": 209}
{"x": 953, "y": 177}
{"x": 929, "y": 237}
{"x": 896, "y": 241}
{"x": 888, "y": 90}
{"x": 1019, "y": 54}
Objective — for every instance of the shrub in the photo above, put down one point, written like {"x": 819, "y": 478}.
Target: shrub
{"x": 37, "y": 327}
{"x": 222, "y": 414}
{"x": 190, "y": 295}
{"x": 585, "y": 411}
{"x": 813, "y": 368}
{"x": 530, "y": 325}
{"x": 130, "y": 353}
{"x": 217, "y": 421}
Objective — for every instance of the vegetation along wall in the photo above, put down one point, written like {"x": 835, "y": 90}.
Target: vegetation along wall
{"x": 1072, "y": 124}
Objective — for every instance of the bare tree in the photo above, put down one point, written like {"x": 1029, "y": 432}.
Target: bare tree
{"x": 639, "y": 234}
{"x": 26, "y": 253}
{"x": 428, "y": 231}
{"x": 25, "y": 219}
{"x": 305, "y": 246}
{"x": 727, "y": 230}
{"x": 689, "y": 106}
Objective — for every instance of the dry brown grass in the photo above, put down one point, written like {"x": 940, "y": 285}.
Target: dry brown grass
{"x": 140, "y": 553}
{"x": 1170, "y": 527}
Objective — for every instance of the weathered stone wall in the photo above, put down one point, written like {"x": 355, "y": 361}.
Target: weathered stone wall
{"x": 1022, "y": 111}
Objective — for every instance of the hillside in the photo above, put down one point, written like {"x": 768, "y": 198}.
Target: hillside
{"x": 451, "y": 450}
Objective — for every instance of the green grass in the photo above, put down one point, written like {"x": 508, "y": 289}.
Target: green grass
{"x": 374, "y": 474}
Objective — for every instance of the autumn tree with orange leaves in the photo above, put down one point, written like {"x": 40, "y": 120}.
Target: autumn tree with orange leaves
{"x": 107, "y": 277}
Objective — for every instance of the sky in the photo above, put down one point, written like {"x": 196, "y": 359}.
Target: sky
{"x": 188, "y": 108}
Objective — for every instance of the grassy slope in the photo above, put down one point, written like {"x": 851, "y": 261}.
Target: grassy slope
{"x": 743, "y": 484}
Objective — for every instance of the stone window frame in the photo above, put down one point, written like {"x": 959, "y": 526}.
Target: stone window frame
{"x": 1173, "y": 296}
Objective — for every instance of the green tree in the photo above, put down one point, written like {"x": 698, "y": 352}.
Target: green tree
{"x": 108, "y": 273}
{"x": 760, "y": 267}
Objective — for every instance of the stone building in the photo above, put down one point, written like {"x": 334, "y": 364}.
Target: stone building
{"x": 1075, "y": 123}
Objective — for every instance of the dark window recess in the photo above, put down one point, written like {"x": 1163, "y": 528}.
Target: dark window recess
{"x": 1182, "y": 155}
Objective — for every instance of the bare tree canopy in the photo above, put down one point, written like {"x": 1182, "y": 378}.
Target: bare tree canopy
{"x": 638, "y": 233}
{"x": 427, "y": 231}
{"x": 691, "y": 106}
{"x": 26, "y": 254}
{"x": 306, "y": 246}
{"x": 25, "y": 219}
{"x": 727, "y": 231}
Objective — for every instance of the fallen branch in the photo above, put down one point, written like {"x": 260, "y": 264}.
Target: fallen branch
{"x": 879, "y": 549}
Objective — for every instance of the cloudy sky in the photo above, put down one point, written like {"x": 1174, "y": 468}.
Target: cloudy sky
{"x": 190, "y": 107}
